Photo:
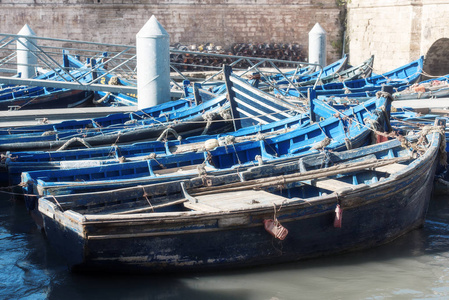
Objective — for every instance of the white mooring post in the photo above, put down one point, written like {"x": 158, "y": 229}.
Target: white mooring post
{"x": 317, "y": 45}
{"x": 26, "y": 59}
{"x": 153, "y": 64}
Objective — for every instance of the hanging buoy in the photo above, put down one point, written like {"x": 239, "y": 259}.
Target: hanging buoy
{"x": 275, "y": 229}
{"x": 381, "y": 138}
{"x": 338, "y": 216}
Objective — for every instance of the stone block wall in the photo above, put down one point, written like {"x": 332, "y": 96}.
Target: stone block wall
{"x": 222, "y": 22}
{"x": 382, "y": 28}
{"x": 399, "y": 31}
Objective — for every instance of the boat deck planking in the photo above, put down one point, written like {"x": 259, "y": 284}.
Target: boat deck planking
{"x": 229, "y": 201}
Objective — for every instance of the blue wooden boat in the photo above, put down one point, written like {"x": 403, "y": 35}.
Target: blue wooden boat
{"x": 349, "y": 129}
{"x": 36, "y": 97}
{"x": 120, "y": 128}
{"x": 431, "y": 88}
{"x": 98, "y": 66}
{"x": 362, "y": 70}
{"x": 18, "y": 162}
{"x": 233, "y": 221}
{"x": 304, "y": 74}
{"x": 400, "y": 77}
{"x": 195, "y": 120}
{"x": 114, "y": 99}
{"x": 273, "y": 116}
{"x": 167, "y": 111}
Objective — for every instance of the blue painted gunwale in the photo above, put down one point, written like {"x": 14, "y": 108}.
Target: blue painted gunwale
{"x": 221, "y": 159}
{"x": 159, "y": 112}
{"x": 33, "y": 97}
{"x": 400, "y": 77}
{"x": 328, "y": 70}
{"x": 362, "y": 70}
{"x": 284, "y": 116}
{"x": 377, "y": 209}
{"x": 164, "y": 112}
{"x": 100, "y": 69}
{"x": 250, "y": 105}
{"x": 187, "y": 122}
{"x": 437, "y": 91}
{"x": 18, "y": 162}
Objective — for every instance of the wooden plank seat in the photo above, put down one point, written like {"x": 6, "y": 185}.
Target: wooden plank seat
{"x": 391, "y": 168}
{"x": 331, "y": 184}
{"x": 232, "y": 200}
{"x": 182, "y": 170}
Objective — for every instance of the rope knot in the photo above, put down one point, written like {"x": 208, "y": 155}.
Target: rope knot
{"x": 321, "y": 145}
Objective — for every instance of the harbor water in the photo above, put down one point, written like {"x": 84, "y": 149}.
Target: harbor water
{"x": 415, "y": 266}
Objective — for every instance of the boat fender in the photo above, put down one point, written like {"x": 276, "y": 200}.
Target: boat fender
{"x": 275, "y": 228}
{"x": 338, "y": 216}
{"x": 211, "y": 144}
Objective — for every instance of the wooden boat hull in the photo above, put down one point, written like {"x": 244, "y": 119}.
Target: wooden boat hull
{"x": 225, "y": 158}
{"x": 428, "y": 89}
{"x": 397, "y": 78}
{"x": 188, "y": 122}
{"x": 58, "y": 99}
{"x": 373, "y": 214}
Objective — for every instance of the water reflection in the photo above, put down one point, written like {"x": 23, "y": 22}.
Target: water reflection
{"x": 413, "y": 266}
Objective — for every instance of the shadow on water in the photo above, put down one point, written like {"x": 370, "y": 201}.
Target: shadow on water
{"x": 33, "y": 270}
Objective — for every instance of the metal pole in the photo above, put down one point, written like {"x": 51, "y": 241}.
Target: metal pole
{"x": 26, "y": 59}
{"x": 317, "y": 45}
{"x": 153, "y": 64}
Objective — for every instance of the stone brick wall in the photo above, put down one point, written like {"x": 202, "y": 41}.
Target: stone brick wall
{"x": 222, "y": 22}
{"x": 399, "y": 31}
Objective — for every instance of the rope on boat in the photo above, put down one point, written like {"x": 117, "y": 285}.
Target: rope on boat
{"x": 112, "y": 81}
{"x": 226, "y": 140}
{"x": 118, "y": 137}
{"x": 324, "y": 132}
{"x": 57, "y": 202}
{"x": 201, "y": 169}
{"x": 133, "y": 121}
{"x": 348, "y": 144}
{"x": 145, "y": 195}
{"x": 102, "y": 99}
{"x": 71, "y": 141}
{"x": 442, "y": 147}
{"x": 208, "y": 117}
{"x": 164, "y": 134}
{"x": 118, "y": 126}
{"x": 2, "y": 190}
{"x": 48, "y": 133}
{"x": 428, "y": 75}
{"x": 308, "y": 175}
{"x": 153, "y": 157}
{"x": 321, "y": 145}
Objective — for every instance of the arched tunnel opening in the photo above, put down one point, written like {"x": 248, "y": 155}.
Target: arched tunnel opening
{"x": 436, "y": 61}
